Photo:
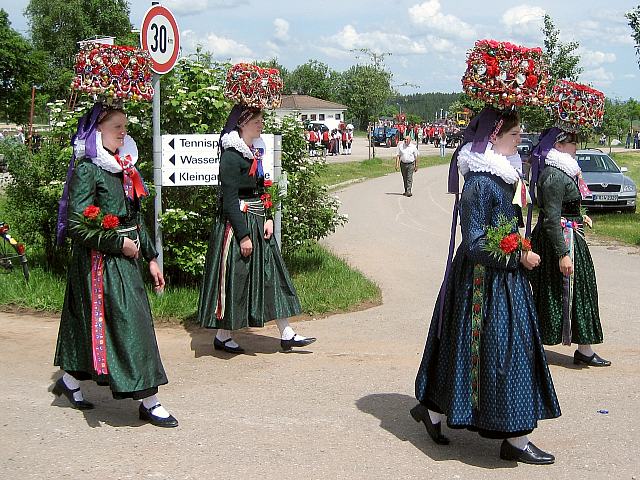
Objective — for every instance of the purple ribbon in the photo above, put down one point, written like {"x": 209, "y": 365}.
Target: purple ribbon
{"x": 87, "y": 127}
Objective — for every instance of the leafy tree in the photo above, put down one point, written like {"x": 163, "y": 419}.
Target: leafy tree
{"x": 312, "y": 78}
{"x": 634, "y": 22}
{"x": 616, "y": 121}
{"x": 20, "y": 67}
{"x": 57, "y": 25}
{"x": 365, "y": 90}
{"x": 563, "y": 63}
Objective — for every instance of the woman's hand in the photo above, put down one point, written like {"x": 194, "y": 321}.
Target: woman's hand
{"x": 268, "y": 229}
{"x": 566, "y": 265}
{"x": 129, "y": 248}
{"x": 156, "y": 275}
{"x": 246, "y": 247}
{"x": 530, "y": 260}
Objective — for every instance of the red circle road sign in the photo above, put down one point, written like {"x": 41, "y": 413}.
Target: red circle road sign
{"x": 160, "y": 37}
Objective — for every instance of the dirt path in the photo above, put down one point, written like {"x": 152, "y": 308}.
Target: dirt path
{"x": 339, "y": 411}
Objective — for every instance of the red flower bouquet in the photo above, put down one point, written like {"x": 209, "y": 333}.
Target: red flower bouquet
{"x": 502, "y": 241}
{"x": 116, "y": 73}
{"x": 503, "y": 74}
{"x": 575, "y": 105}
{"x": 93, "y": 222}
{"x": 254, "y": 86}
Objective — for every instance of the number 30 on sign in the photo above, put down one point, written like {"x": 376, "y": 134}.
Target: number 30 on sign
{"x": 160, "y": 36}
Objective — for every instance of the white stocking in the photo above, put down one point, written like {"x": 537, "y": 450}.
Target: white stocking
{"x": 159, "y": 411}
{"x": 72, "y": 384}
{"x": 519, "y": 442}
{"x": 223, "y": 335}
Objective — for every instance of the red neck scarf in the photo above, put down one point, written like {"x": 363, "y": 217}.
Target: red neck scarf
{"x": 132, "y": 180}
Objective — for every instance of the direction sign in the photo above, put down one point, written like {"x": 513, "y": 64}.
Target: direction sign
{"x": 195, "y": 159}
{"x": 160, "y": 36}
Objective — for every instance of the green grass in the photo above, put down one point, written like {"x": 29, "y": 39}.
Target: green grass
{"x": 315, "y": 274}
{"x": 336, "y": 173}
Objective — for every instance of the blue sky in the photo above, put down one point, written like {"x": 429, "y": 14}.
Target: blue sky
{"x": 427, "y": 40}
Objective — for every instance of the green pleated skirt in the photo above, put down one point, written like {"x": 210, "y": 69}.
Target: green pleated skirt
{"x": 239, "y": 292}
{"x": 547, "y": 284}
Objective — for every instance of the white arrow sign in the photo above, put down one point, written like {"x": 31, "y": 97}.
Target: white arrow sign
{"x": 195, "y": 159}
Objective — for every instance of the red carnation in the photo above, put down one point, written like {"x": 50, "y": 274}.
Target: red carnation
{"x": 110, "y": 221}
{"x": 531, "y": 81}
{"x": 268, "y": 183}
{"x": 91, "y": 212}
{"x": 267, "y": 204}
{"x": 526, "y": 244}
{"x": 21, "y": 248}
{"x": 509, "y": 244}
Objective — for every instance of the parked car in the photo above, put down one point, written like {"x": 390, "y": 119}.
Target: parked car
{"x": 610, "y": 188}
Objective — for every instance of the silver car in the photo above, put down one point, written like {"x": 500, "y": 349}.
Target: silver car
{"x": 610, "y": 188}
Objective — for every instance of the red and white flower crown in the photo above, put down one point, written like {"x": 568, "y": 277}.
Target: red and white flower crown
{"x": 114, "y": 73}
{"x": 254, "y": 86}
{"x": 575, "y": 105}
{"x": 503, "y": 75}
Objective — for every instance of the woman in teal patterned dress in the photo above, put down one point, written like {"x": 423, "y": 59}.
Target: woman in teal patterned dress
{"x": 484, "y": 366}
{"x": 106, "y": 331}
{"x": 564, "y": 287}
{"x": 246, "y": 282}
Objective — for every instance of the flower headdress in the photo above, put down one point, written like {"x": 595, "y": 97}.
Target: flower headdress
{"x": 113, "y": 73}
{"x": 575, "y": 105}
{"x": 253, "y": 86}
{"x": 504, "y": 75}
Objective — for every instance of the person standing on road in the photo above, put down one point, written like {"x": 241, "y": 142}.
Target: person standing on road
{"x": 484, "y": 367}
{"x": 564, "y": 287}
{"x": 246, "y": 282}
{"x": 407, "y": 161}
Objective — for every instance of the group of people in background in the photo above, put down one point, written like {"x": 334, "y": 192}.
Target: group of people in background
{"x": 322, "y": 140}
{"x": 633, "y": 140}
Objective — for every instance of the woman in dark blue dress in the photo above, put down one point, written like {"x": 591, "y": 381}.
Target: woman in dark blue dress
{"x": 484, "y": 367}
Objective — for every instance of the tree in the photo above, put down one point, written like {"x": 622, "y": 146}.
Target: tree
{"x": 58, "y": 25}
{"x": 616, "y": 121}
{"x": 20, "y": 67}
{"x": 562, "y": 62}
{"x": 365, "y": 89}
{"x": 634, "y": 22}
{"x": 312, "y": 78}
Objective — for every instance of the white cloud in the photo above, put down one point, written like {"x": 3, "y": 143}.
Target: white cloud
{"x": 599, "y": 77}
{"x": 589, "y": 58}
{"x": 629, "y": 75}
{"x": 220, "y": 47}
{"x": 282, "y": 29}
{"x": 429, "y": 14}
{"x": 193, "y": 7}
{"x": 350, "y": 39}
{"x": 524, "y": 20}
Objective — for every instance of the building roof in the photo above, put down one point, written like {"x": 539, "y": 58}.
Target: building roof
{"x": 307, "y": 102}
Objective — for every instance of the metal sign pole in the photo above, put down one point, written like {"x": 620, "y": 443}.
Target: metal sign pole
{"x": 157, "y": 169}
{"x": 277, "y": 174}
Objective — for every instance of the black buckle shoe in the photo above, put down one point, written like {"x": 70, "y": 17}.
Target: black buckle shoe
{"x": 60, "y": 388}
{"x": 147, "y": 415}
{"x": 531, "y": 454}
{"x": 289, "y": 344}
{"x": 220, "y": 345}
{"x": 420, "y": 413}
{"x": 594, "y": 360}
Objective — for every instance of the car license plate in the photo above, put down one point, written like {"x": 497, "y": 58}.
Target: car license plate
{"x": 605, "y": 198}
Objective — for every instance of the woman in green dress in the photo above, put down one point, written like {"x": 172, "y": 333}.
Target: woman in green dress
{"x": 106, "y": 331}
{"x": 246, "y": 282}
{"x": 564, "y": 286}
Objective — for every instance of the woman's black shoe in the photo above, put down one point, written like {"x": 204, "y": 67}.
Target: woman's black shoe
{"x": 60, "y": 388}
{"x": 147, "y": 415}
{"x": 531, "y": 454}
{"x": 220, "y": 345}
{"x": 289, "y": 344}
{"x": 420, "y": 413}
{"x": 594, "y": 360}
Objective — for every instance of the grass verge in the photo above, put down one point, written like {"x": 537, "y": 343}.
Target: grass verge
{"x": 336, "y": 173}
{"x": 315, "y": 273}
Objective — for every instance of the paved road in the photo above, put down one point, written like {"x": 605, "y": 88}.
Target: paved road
{"x": 339, "y": 411}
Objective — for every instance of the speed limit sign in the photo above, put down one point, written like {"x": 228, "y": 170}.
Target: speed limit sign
{"x": 160, "y": 37}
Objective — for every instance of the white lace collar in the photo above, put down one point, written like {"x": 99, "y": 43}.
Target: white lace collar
{"x": 233, "y": 140}
{"x": 104, "y": 159}
{"x": 563, "y": 161}
{"x": 489, "y": 162}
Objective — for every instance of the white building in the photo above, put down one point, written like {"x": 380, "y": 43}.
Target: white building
{"x": 311, "y": 109}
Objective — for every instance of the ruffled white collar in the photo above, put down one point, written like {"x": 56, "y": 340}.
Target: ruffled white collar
{"x": 563, "y": 161}
{"x": 233, "y": 140}
{"x": 489, "y": 162}
{"x": 104, "y": 159}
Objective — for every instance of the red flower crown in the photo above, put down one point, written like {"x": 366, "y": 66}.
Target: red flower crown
{"x": 575, "y": 105}
{"x": 116, "y": 73}
{"x": 503, "y": 74}
{"x": 254, "y": 86}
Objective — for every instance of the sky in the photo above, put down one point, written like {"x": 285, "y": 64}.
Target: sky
{"x": 427, "y": 40}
